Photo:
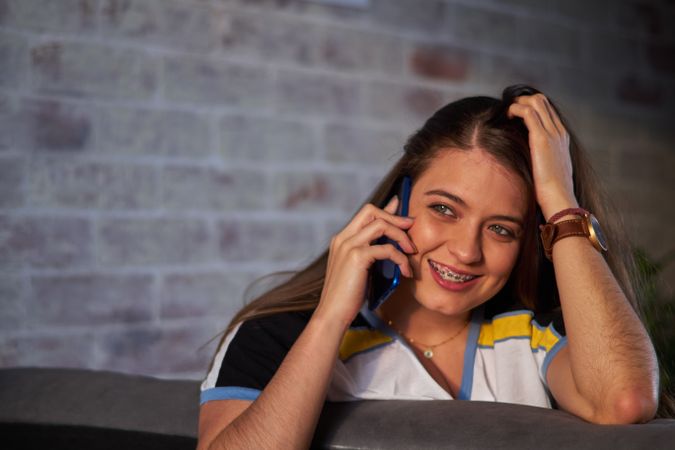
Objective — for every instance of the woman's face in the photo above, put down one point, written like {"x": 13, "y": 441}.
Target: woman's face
{"x": 469, "y": 216}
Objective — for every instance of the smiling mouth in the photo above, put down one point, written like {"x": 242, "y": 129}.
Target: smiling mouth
{"x": 449, "y": 275}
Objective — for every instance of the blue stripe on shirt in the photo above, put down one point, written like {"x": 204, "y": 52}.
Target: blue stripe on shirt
{"x": 228, "y": 393}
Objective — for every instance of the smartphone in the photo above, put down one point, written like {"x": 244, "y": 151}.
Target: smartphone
{"x": 385, "y": 275}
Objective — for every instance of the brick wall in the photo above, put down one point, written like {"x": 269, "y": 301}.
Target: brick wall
{"x": 157, "y": 155}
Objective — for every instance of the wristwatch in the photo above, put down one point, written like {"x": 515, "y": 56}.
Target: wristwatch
{"x": 586, "y": 225}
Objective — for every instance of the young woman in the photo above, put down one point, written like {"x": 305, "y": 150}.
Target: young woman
{"x": 496, "y": 251}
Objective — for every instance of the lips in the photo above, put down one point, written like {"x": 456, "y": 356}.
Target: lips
{"x": 451, "y": 274}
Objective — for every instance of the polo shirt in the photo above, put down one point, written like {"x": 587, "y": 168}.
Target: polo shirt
{"x": 506, "y": 359}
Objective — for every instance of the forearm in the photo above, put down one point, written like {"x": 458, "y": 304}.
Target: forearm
{"x": 286, "y": 412}
{"x": 608, "y": 373}
{"x": 611, "y": 355}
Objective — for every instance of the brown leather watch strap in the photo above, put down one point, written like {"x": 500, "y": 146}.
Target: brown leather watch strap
{"x": 571, "y": 227}
{"x": 569, "y": 211}
{"x": 553, "y": 232}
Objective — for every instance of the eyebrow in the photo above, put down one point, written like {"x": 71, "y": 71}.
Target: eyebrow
{"x": 459, "y": 201}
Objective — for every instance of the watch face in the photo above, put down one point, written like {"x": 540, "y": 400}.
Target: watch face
{"x": 597, "y": 231}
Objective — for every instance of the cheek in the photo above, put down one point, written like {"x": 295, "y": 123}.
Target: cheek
{"x": 425, "y": 234}
{"x": 504, "y": 260}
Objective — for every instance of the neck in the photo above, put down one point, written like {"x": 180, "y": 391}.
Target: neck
{"x": 418, "y": 322}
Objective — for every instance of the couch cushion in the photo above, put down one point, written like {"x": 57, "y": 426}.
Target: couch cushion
{"x": 85, "y": 409}
{"x": 20, "y": 436}
{"x": 469, "y": 425}
{"x": 99, "y": 399}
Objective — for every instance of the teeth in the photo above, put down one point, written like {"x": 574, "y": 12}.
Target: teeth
{"x": 447, "y": 274}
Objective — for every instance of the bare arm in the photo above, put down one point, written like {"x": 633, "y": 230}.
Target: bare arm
{"x": 287, "y": 410}
{"x": 608, "y": 373}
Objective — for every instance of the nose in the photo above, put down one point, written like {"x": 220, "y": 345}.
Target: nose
{"x": 465, "y": 244}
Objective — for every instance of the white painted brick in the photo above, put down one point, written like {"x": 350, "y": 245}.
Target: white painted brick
{"x": 75, "y": 69}
{"x": 61, "y": 15}
{"x": 138, "y": 132}
{"x": 45, "y": 242}
{"x": 164, "y": 23}
{"x": 12, "y": 303}
{"x": 78, "y": 184}
{"x": 268, "y": 140}
{"x": 311, "y": 94}
{"x": 215, "y": 83}
{"x": 90, "y": 299}
{"x": 153, "y": 242}
{"x": 189, "y": 188}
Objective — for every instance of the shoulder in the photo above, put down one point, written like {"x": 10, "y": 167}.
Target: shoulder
{"x": 361, "y": 337}
{"x": 516, "y": 322}
{"x": 271, "y": 337}
{"x": 251, "y": 353}
{"x": 516, "y": 311}
{"x": 283, "y": 327}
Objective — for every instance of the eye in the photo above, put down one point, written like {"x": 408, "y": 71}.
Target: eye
{"x": 502, "y": 231}
{"x": 443, "y": 210}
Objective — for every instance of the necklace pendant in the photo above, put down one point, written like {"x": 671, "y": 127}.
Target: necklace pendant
{"x": 428, "y": 353}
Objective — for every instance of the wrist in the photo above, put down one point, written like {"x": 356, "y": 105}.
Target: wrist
{"x": 328, "y": 323}
{"x": 567, "y": 214}
{"x": 555, "y": 207}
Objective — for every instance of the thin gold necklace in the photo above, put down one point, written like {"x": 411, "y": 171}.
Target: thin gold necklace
{"x": 428, "y": 349}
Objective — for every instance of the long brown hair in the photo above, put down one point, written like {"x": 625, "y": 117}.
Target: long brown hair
{"x": 478, "y": 122}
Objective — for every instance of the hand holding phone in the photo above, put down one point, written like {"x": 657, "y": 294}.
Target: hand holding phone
{"x": 352, "y": 253}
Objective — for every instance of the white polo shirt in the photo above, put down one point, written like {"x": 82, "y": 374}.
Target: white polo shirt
{"x": 506, "y": 359}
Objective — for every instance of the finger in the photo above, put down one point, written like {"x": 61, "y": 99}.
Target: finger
{"x": 379, "y": 228}
{"x": 399, "y": 258}
{"x": 542, "y": 102}
{"x": 538, "y": 103}
{"x": 368, "y": 214}
{"x": 529, "y": 116}
{"x": 390, "y": 214}
{"x": 392, "y": 205}
{"x": 555, "y": 117}
{"x": 387, "y": 251}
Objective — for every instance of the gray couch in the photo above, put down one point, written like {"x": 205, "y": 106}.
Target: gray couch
{"x": 80, "y": 409}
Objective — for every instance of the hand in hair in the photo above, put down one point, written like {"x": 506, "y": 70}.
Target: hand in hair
{"x": 549, "y": 146}
{"x": 608, "y": 372}
{"x": 351, "y": 255}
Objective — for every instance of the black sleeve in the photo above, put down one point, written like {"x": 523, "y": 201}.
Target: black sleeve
{"x": 554, "y": 317}
{"x": 258, "y": 348}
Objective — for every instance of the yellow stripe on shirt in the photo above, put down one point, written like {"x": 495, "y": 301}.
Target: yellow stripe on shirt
{"x": 545, "y": 338}
{"x": 516, "y": 326}
{"x": 359, "y": 340}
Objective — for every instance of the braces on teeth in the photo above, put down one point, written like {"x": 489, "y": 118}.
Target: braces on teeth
{"x": 451, "y": 276}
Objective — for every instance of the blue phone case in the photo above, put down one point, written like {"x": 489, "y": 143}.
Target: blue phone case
{"x": 385, "y": 275}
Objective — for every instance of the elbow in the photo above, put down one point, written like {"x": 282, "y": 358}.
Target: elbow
{"x": 203, "y": 444}
{"x": 630, "y": 407}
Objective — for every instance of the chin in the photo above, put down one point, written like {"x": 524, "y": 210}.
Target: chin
{"x": 450, "y": 303}
{"x": 450, "y": 310}
{"x": 443, "y": 304}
